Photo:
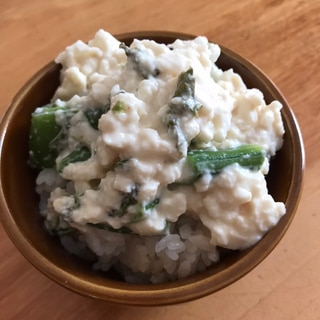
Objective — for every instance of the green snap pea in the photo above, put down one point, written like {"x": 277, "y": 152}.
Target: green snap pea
{"x": 201, "y": 162}
{"x": 46, "y": 133}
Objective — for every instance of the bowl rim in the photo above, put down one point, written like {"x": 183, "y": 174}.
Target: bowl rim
{"x": 180, "y": 290}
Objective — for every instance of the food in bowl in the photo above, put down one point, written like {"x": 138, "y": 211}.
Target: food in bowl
{"x": 152, "y": 158}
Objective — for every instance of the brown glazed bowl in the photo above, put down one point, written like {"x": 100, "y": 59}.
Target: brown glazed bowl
{"x": 23, "y": 223}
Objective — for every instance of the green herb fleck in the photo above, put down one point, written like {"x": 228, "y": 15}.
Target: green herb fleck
{"x": 119, "y": 107}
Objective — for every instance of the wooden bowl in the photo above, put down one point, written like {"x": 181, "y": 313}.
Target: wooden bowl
{"x": 23, "y": 223}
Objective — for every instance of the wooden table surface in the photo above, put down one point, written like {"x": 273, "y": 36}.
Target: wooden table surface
{"x": 283, "y": 39}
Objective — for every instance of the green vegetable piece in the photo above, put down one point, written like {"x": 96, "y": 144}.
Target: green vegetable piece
{"x": 151, "y": 205}
{"x": 93, "y": 115}
{"x": 104, "y": 226}
{"x": 142, "y": 61}
{"x": 207, "y": 161}
{"x": 127, "y": 200}
{"x": 127, "y": 230}
{"x": 58, "y": 226}
{"x": 182, "y": 102}
{"x": 184, "y": 99}
{"x": 143, "y": 210}
{"x": 82, "y": 153}
{"x": 174, "y": 129}
{"x": 46, "y": 134}
{"x": 119, "y": 107}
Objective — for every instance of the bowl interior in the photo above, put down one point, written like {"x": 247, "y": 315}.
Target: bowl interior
{"x": 19, "y": 202}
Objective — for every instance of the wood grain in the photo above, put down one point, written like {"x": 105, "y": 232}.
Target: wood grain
{"x": 283, "y": 39}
